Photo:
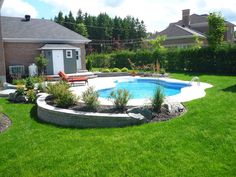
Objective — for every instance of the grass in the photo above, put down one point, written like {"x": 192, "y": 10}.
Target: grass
{"x": 200, "y": 143}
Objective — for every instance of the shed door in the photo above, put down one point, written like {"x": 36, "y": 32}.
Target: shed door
{"x": 58, "y": 61}
{"x": 78, "y": 59}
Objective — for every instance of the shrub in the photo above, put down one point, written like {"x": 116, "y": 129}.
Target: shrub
{"x": 41, "y": 63}
{"x": 120, "y": 98}
{"x": 29, "y": 83}
{"x": 66, "y": 99}
{"x": 89, "y": 64}
{"x": 38, "y": 79}
{"x": 106, "y": 70}
{"x": 90, "y": 98}
{"x": 115, "y": 70}
{"x": 18, "y": 81}
{"x": 31, "y": 95}
{"x": 57, "y": 89}
{"x": 124, "y": 69}
{"x": 41, "y": 87}
{"x": 162, "y": 71}
{"x": 100, "y": 60}
{"x": 220, "y": 60}
{"x": 20, "y": 90}
{"x": 63, "y": 97}
{"x": 157, "y": 100}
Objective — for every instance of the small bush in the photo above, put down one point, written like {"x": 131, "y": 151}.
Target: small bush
{"x": 31, "y": 95}
{"x": 38, "y": 79}
{"x": 89, "y": 64}
{"x": 120, "y": 98}
{"x": 66, "y": 99}
{"x": 162, "y": 71}
{"x": 29, "y": 83}
{"x": 20, "y": 90}
{"x": 106, "y": 70}
{"x": 124, "y": 69}
{"x": 90, "y": 98}
{"x": 41, "y": 87}
{"x": 157, "y": 100}
{"x": 18, "y": 82}
{"x": 115, "y": 70}
{"x": 63, "y": 97}
{"x": 57, "y": 89}
{"x": 41, "y": 63}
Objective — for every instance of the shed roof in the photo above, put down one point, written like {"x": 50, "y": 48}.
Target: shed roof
{"x": 57, "y": 46}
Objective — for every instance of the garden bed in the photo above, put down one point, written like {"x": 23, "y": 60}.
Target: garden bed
{"x": 5, "y": 122}
{"x": 106, "y": 116}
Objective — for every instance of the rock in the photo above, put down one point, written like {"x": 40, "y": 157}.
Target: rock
{"x": 172, "y": 107}
{"x": 21, "y": 99}
{"x": 12, "y": 96}
{"x": 140, "y": 113}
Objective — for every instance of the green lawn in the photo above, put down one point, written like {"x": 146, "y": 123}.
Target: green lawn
{"x": 200, "y": 143}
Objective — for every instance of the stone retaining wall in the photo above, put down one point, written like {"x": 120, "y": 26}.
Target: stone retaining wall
{"x": 70, "y": 118}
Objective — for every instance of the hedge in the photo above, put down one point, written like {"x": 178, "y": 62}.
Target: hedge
{"x": 221, "y": 60}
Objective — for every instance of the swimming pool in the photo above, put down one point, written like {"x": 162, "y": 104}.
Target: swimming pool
{"x": 144, "y": 88}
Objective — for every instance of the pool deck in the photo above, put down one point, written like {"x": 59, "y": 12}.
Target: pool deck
{"x": 194, "y": 91}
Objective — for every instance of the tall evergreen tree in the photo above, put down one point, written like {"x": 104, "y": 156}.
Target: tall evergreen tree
{"x": 81, "y": 29}
{"x": 70, "y": 21}
{"x": 59, "y": 18}
{"x": 106, "y": 32}
{"x": 79, "y": 18}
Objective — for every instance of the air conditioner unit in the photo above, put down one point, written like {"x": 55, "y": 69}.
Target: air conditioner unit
{"x": 17, "y": 70}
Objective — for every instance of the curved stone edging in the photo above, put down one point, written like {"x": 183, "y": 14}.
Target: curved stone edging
{"x": 79, "y": 119}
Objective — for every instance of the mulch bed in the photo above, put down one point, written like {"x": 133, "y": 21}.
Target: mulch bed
{"x": 166, "y": 116}
{"x": 163, "y": 116}
{"x": 5, "y": 122}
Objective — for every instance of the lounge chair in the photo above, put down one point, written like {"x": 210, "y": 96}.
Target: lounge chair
{"x": 72, "y": 79}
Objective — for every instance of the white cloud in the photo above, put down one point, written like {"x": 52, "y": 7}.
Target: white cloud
{"x": 18, "y": 8}
{"x": 157, "y": 14}
{"x": 113, "y": 3}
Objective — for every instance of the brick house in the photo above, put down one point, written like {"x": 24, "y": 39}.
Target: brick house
{"x": 184, "y": 32}
{"x": 23, "y": 39}
{"x": 2, "y": 60}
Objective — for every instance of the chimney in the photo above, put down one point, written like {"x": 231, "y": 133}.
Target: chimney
{"x": 186, "y": 17}
{"x": 27, "y": 18}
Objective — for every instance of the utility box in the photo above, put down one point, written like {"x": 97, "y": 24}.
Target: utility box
{"x": 33, "y": 70}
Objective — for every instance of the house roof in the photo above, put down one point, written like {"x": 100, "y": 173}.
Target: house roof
{"x": 199, "y": 19}
{"x": 57, "y": 46}
{"x": 15, "y": 29}
{"x": 176, "y": 30}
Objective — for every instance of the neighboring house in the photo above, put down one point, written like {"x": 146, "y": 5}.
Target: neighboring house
{"x": 25, "y": 38}
{"x": 184, "y": 32}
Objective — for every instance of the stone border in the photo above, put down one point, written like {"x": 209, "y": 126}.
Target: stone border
{"x": 79, "y": 119}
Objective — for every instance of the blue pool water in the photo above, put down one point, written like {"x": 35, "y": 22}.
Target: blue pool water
{"x": 144, "y": 88}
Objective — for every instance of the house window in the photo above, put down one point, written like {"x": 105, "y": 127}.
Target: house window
{"x": 68, "y": 53}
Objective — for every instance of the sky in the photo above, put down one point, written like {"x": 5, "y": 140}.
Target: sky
{"x": 156, "y": 14}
